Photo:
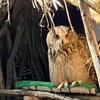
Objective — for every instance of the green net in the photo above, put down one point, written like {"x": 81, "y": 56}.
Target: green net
{"x": 86, "y": 85}
{"x": 89, "y": 86}
{"x": 21, "y": 84}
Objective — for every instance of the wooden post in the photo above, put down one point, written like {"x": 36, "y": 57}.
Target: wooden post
{"x": 90, "y": 35}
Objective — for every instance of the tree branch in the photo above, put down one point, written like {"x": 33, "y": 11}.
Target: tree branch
{"x": 35, "y": 93}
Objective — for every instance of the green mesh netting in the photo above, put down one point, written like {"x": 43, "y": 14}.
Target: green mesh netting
{"x": 86, "y": 85}
{"x": 21, "y": 84}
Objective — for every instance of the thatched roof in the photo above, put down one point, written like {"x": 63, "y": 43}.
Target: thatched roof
{"x": 46, "y": 4}
{"x": 94, "y": 8}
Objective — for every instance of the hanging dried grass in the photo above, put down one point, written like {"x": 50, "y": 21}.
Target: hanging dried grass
{"x": 48, "y": 13}
{"x": 2, "y": 2}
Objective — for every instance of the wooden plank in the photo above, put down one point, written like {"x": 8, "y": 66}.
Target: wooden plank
{"x": 90, "y": 35}
{"x": 31, "y": 98}
{"x": 85, "y": 97}
{"x": 39, "y": 94}
{"x": 31, "y": 94}
{"x": 79, "y": 89}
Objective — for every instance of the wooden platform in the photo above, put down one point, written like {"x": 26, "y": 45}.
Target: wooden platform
{"x": 79, "y": 89}
{"x": 41, "y": 94}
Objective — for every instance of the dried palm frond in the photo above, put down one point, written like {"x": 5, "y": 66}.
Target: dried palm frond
{"x": 48, "y": 13}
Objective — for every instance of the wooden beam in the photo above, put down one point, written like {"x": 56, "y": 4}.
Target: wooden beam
{"x": 31, "y": 98}
{"x": 94, "y": 7}
{"x": 39, "y": 94}
{"x": 94, "y": 4}
{"x": 90, "y": 35}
